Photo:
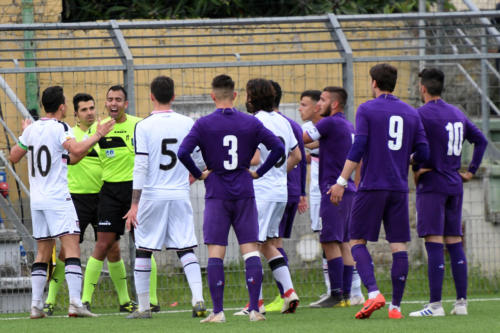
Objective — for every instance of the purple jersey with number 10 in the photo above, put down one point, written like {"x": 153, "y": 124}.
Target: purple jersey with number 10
{"x": 446, "y": 127}
{"x": 393, "y": 129}
{"x": 228, "y": 139}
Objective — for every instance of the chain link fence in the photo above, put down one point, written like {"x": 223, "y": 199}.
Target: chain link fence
{"x": 299, "y": 53}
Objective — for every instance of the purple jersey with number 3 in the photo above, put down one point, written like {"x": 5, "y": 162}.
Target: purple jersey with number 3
{"x": 228, "y": 139}
{"x": 393, "y": 129}
{"x": 446, "y": 128}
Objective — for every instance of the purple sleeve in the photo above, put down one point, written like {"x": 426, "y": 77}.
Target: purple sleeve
{"x": 297, "y": 131}
{"x": 187, "y": 146}
{"x": 476, "y": 137}
{"x": 361, "y": 122}
{"x": 358, "y": 148}
{"x": 272, "y": 143}
{"x": 420, "y": 136}
{"x": 422, "y": 153}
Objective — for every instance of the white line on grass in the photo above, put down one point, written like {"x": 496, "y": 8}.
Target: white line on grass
{"x": 235, "y": 309}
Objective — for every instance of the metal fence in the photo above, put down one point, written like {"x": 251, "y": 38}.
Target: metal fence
{"x": 298, "y": 52}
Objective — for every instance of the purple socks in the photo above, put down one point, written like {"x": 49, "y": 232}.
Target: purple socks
{"x": 364, "y": 265}
{"x": 399, "y": 272}
{"x": 253, "y": 274}
{"x": 458, "y": 268}
{"x": 347, "y": 278}
{"x": 215, "y": 277}
{"x": 435, "y": 270}
{"x": 335, "y": 272}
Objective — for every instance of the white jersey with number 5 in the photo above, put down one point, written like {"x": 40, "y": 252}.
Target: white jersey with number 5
{"x": 273, "y": 185}
{"x": 47, "y": 162}
{"x": 159, "y": 137}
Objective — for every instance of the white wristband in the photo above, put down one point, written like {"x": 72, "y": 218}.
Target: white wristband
{"x": 341, "y": 181}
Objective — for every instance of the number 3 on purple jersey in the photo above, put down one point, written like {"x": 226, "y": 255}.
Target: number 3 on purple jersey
{"x": 395, "y": 132}
{"x": 231, "y": 141}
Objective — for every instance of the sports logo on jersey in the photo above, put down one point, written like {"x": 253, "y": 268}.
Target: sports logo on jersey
{"x": 104, "y": 223}
{"x": 110, "y": 153}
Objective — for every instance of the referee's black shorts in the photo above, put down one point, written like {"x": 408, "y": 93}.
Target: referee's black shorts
{"x": 114, "y": 203}
{"x": 86, "y": 206}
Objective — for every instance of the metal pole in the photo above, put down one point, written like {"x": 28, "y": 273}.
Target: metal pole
{"x": 489, "y": 29}
{"x": 30, "y": 79}
{"x": 421, "y": 34}
{"x": 347, "y": 66}
{"x": 13, "y": 97}
{"x": 128, "y": 61}
{"x": 485, "y": 110}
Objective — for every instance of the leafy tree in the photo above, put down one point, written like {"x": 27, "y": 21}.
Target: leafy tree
{"x": 91, "y": 10}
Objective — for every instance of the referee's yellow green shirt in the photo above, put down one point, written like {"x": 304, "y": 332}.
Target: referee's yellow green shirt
{"x": 116, "y": 151}
{"x": 85, "y": 177}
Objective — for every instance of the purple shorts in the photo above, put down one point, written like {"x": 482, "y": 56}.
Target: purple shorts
{"x": 369, "y": 208}
{"x": 439, "y": 214}
{"x": 286, "y": 223}
{"x": 335, "y": 219}
{"x": 220, "y": 214}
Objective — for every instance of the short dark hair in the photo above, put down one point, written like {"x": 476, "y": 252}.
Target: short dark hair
{"x": 223, "y": 86}
{"x": 81, "y": 97}
{"x": 385, "y": 75}
{"x": 162, "y": 88}
{"x": 312, "y": 94}
{"x": 118, "y": 87}
{"x": 278, "y": 93}
{"x": 52, "y": 98}
{"x": 260, "y": 94}
{"x": 433, "y": 80}
{"x": 339, "y": 93}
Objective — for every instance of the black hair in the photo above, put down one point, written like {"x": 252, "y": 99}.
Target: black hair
{"x": 385, "y": 75}
{"x": 433, "y": 80}
{"x": 52, "y": 98}
{"x": 81, "y": 97}
{"x": 162, "y": 88}
{"x": 339, "y": 93}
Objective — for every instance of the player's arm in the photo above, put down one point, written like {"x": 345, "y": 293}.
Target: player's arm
{"x": 141, "y": 164}
{"x": 256, "y": 158}
{"x": 293, "y": 159}
{"x": 186, "y": 148}
{"x": 275, "y": 147}
{"x": 312, "y": 145}
{"x": 477, "y": 138}
{"x": 17, "y": 152}
{"x": 302, "y": 207}
{"x": 20, "y": 149}
{"x": 78, "y": 150}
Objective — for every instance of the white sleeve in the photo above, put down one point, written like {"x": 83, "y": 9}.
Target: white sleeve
{"x": 293, "y": 139}
{"x": 140, "y": 142}
{"x": 198, "y": 158}
{"x": 140, "y": 171}
{"x": 313, "y": 133}
{"x": 66, "y": 133}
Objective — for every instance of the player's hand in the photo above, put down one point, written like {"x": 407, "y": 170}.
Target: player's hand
{"x": 25, "y": 123}
{"x": 303, "y": 204}
{"x": 418, "y": 173}
{"x": 205, "y": 174}
{"x": 336, "y": 193}
{"x": 103, "y": 129}
{"x": 191, "y": 179}
{"x": 466, "y": 176}
{"x": 131, "y": 217}
{"x": 253, "y": 173}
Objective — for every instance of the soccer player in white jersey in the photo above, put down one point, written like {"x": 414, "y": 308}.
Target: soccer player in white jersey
{"x": 310, "y": 113}
{"x": 161, "y": 211}
{"x": 50, "y": 145}
{"x": 271, "y": 189}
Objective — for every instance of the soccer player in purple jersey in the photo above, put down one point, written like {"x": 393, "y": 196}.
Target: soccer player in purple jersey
{"x": 228, "y": 140}
{"x": 389, "y": 134}
{"x": 296, "y": 186}
{"x": 335, "y": 134}
{"x": 439, "y": 190}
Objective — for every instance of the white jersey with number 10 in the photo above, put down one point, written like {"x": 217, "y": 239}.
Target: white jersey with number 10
{"x": 47, "y": 162}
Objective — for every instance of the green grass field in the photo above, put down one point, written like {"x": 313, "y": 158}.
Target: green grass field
{"x": 483, "y": 317}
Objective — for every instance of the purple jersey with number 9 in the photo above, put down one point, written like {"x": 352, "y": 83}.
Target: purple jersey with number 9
{"x": 393, "y": 129}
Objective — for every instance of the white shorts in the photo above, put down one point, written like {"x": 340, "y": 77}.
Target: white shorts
{"x": 53, "y": 223}
{"x": 165, "y": 223}
{"x": 270, "y": 215}
{"x": 314, "y": 213}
